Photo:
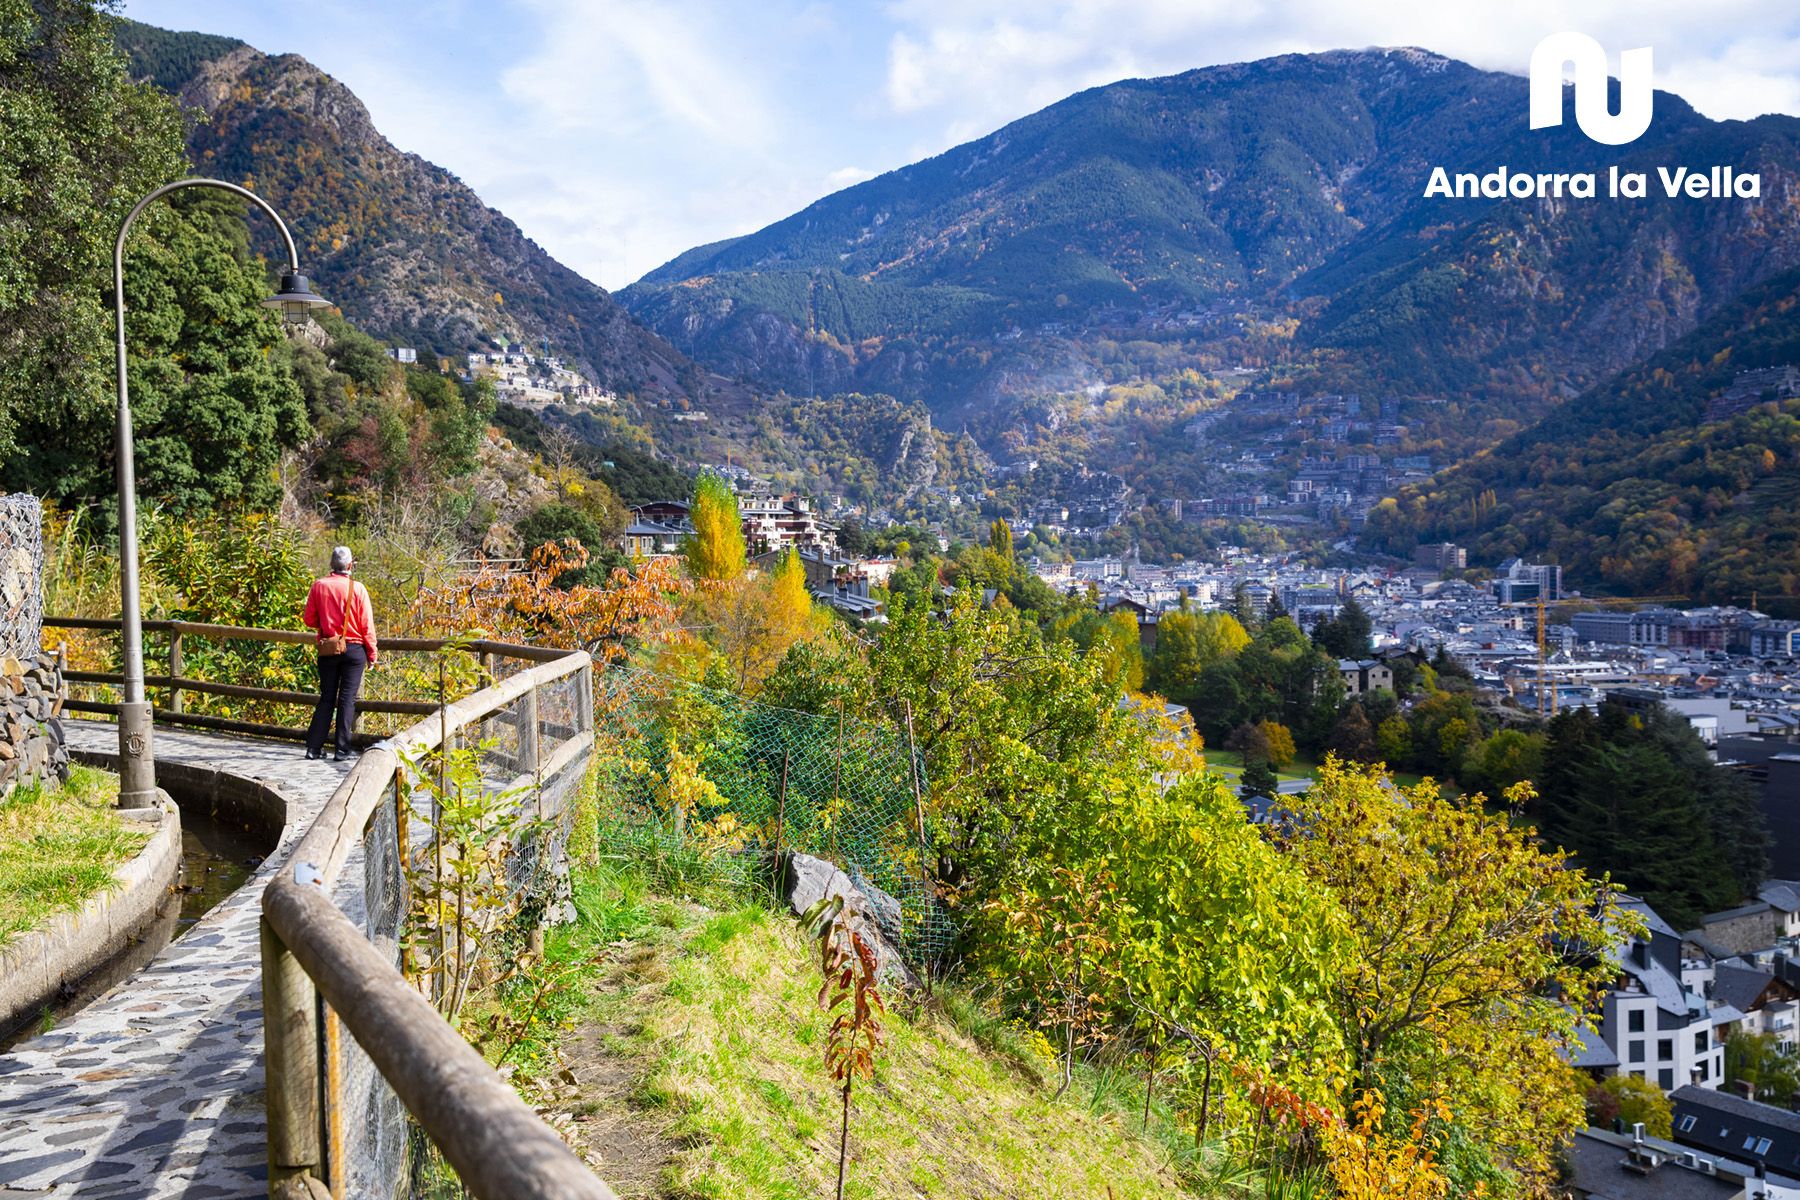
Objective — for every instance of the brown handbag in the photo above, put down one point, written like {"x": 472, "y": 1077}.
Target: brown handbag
{"x": 336, "y": 643}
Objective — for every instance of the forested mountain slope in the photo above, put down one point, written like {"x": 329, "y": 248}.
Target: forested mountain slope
{"x": 1636, "y": 482}
{"x": 405, "y": 248}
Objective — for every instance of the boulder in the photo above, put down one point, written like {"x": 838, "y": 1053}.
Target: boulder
{"x": 873, "y": 913}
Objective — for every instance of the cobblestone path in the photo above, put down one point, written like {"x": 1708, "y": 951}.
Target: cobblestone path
{"x": 156, "y": 1088}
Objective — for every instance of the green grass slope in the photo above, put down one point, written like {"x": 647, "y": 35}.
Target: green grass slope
{"x": 697, "y": 1049}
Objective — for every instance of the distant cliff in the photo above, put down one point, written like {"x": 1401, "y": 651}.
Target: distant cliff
{"x": 408, "y": 251}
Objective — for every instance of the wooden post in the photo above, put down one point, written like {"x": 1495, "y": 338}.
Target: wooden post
{"x": 584, "y": 699}
{"x": 780, "y": 818}
{"x": 337, "y": 1166}
{"x": 175, "y": 670}
{"x": 403, "y": 854}
{"x": 291, "y": 1053}
{"x": 912, "y": 772}
{"x": 528, "y": 732}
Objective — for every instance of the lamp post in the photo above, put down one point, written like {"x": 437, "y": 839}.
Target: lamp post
{"x": 137, "y": 768}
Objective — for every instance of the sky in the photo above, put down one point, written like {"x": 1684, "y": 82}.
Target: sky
{"x": 618, "y": 133}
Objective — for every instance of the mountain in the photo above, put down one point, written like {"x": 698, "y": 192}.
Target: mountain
{"x": 408, "y": 251}
{"x": 1267, "y": 214}
{"x": 1678, "y": 477}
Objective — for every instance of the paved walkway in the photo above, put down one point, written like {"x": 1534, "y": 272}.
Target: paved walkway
{"x": 156, "y": 1089}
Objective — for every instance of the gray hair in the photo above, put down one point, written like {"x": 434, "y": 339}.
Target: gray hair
{"x": 341, "y": 559}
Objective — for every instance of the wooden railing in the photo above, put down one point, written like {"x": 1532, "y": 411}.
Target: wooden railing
{"x": 320, "y": 973}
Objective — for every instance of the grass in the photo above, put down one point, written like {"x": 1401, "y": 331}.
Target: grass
{"x": 58, "y": 847}
{"x": 1230, "y": 764}
{"x": 706, "y": 1008}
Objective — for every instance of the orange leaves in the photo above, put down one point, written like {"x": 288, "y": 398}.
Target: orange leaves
{"x": 1369, "y": 1163}
{"x": 851, "y": 978}
{"x": 526, "y": 606}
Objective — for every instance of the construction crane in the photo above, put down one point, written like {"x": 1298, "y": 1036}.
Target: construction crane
{"x": 1543, "y": 656}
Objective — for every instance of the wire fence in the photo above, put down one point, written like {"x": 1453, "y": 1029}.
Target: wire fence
{"x": 21, "y": 576}
{"x": 700, "y": 784}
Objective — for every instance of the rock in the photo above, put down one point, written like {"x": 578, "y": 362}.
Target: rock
{"x": 885, "y": 909}
{"x": 807, "y": 880}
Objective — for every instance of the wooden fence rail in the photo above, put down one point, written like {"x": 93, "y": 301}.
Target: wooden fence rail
{"x": 320, "y": 971}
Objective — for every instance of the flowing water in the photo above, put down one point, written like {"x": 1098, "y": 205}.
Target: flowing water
{"x": 217, "y": 857}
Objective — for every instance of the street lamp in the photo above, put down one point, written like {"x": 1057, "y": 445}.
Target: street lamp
{"x": 137, "y": 767}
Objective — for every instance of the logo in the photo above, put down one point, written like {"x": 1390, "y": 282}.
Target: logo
{"x": 1588, "y": 58}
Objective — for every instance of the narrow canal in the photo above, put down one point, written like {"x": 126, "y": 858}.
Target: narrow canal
{"x": 217, "y": 856}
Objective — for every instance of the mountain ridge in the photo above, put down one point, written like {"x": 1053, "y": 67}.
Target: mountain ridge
{"x": 407, "y": 249}
{"x": 1288, "y": 188}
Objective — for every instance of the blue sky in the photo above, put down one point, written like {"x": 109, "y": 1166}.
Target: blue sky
{"x": 619, "y": 133}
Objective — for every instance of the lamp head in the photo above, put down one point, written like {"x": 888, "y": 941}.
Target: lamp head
{"x": 296, "y": 300}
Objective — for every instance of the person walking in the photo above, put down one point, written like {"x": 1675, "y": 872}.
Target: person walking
{"x": 339, "y": 609}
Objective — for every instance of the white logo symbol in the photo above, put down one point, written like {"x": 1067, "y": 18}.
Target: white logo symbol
{"x": 1589, "y": 60}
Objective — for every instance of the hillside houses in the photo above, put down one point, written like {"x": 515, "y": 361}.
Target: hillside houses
{"x": 529, "y": 380}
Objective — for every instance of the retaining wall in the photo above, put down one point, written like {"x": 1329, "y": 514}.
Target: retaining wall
{"x": 31, "y": 683}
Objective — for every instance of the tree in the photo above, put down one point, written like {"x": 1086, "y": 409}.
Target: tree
{"x": 1030, "y": 724}
{"x": 1000, "y": 538}
{"x": 1758, "y": 1060}
{"x": 1457, "y": 983}
{"x": 1116, "y": 641}
{"x": 1187, "y": 643}
{"x": 715, "y": 550}
{"x": 1345, "y": 635}
{"x": 1353, "y": 738}
{"x": 557, "y": 523}
{"x": 1259, "y": 778}
{"x": 1509, "y": 757}
{"x": 1393, "y": 739}
{"x": 852, "y": 538}
{"x": 1631, "y": 1099}
{"x": 1244, "y": 609}
{"x": 83, "y": 142}
{"x": 1634, "y": 794}
{"x": 213, "y": 405}
{"x": 755, "y": 619}
{"x": 1277, "y": 742}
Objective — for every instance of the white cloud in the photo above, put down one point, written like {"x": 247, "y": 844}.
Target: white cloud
{"x": 639, "y": 65}
{"x": 845, "y": 177}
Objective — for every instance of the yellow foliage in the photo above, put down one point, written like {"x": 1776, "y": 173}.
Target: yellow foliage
{"x": 716, "y": 548}
{"x": 1367, "y": 1163}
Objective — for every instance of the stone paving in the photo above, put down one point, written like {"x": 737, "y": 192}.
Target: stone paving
{"x": 156, "y": 1089}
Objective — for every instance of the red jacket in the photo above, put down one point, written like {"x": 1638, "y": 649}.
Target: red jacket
{"x": 326, "y": 611}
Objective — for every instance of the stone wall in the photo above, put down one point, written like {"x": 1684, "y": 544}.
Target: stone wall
{"x": 31, "y": 732}
{"x": 31, "y": 683}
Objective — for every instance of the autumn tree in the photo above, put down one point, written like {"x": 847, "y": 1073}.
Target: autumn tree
{"x": 1631, "y": 1099}
{"x": 1187, "y": 643}
{"x": 1000, "y": 538}
{"x": 715, "y": 550}
{"x": 1353, "y": 738}
{"x": 752, "y": 621}
{"x": 1475, "y": 952}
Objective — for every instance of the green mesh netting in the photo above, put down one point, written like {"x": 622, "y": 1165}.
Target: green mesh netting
{"x": 701, "y": 784}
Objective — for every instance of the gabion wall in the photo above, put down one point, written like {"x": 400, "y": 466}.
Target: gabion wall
{"x": 31, "y": 683}
{"x": 21, "y": 576}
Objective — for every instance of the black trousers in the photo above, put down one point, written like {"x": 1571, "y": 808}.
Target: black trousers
{"x": 340, "y": 678}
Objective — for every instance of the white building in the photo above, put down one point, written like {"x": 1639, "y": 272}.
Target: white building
{"x": 1656, "y": 1027}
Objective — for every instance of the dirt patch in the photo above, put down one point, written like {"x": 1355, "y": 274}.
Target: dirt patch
{"x": 594, "y": 1107}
